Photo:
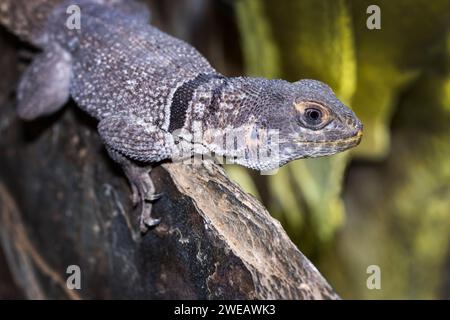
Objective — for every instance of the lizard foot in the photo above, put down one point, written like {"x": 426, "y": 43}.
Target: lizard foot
{"x": 143, "y": 194}
{"x": 136, "y": 194}
{"x": 142, "y": 187}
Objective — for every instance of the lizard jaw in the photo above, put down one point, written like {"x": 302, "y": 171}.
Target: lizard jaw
{"x": 355, "y": 138}
{"x": 329, "y": 147}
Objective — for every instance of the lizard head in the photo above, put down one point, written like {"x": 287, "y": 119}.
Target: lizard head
{"x": 309, "y": 121}
{"x": 316, "y": 122}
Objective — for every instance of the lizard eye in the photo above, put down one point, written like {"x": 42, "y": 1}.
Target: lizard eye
{"x": 312, "y": 115}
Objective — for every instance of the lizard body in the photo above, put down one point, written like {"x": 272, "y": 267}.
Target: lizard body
{"x": 152, "y": 93}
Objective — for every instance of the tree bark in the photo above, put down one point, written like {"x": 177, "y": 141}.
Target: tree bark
{"x": 64, "y": 202}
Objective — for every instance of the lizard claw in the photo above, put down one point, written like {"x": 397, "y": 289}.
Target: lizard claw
{"x": 146, "y": 220}
{"x": 153, "y": 197}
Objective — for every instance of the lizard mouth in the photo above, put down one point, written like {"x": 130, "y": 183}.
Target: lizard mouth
{"x": 351, "y": 141}
{"x": 348, "y": 142}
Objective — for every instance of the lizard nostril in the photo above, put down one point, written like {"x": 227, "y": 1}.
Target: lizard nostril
{"x": 359, "y": 126}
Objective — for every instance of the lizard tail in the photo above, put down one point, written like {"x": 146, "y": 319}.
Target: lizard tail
{"x": 26, "y": 18}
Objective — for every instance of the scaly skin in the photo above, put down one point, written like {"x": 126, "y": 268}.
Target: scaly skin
{"x": 155, "y": 96}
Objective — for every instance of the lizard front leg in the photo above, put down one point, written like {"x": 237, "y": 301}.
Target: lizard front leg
{"x": 142, "y": 186}
{"x": 129, "y": 140}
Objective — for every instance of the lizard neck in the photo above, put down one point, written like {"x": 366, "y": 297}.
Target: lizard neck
{"x": 234, "y": 101}
{"x": 235, "y": 115}
{"x": 221, "y": 115}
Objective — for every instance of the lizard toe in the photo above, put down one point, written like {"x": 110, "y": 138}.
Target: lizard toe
{"x": 154, "y": 197}
{"x": 146, "y": 219}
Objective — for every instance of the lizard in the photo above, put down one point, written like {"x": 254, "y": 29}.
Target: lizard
{"x": 149, "y": 91}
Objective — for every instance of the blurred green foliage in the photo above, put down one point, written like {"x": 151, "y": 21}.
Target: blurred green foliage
{"x": 293, "y": 50}
{"x": 397, "y": 79}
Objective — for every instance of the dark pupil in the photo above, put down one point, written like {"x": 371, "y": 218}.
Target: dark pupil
{"x": 313, "y": 115}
